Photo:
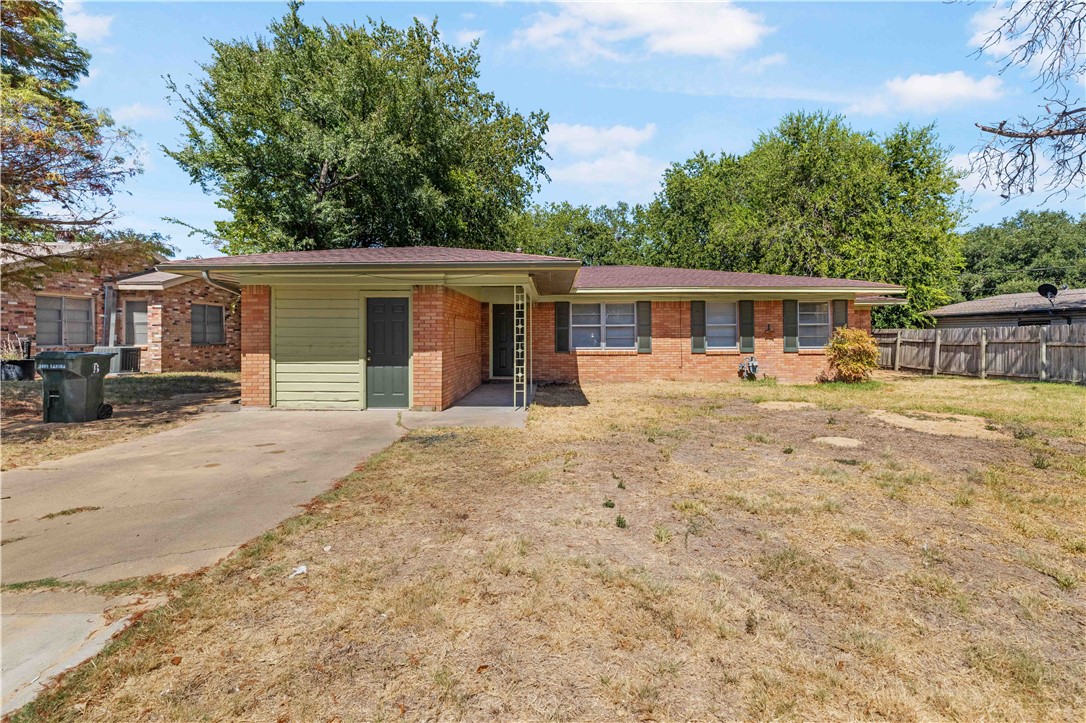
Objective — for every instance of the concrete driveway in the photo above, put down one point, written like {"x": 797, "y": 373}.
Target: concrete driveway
{"x": 167, "y": 503}
{"x": 179, "y": 500}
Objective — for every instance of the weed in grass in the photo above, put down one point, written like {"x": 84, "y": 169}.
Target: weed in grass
{"x": 620, "y": 522}
{"x": 45, "y": 583}
{"x": 70, "y": 511}
{"x": 848, "y": 462}
{"x": 1022, "y": 669}
{"x": 858, "y": 533}
{"x": 751, "y": 625}
{"x": 691, "y": 508}
{"x": 830, "y": 506}
{"x": 1041, "y": 462}
{"x": 759, "y": 438}
{"x": 621, "y": 485}
{"x": 831, "y": 421}
{"x": 788, "y": 450}
{"x": 931, "y": 555}
{"x": 1021, "y": 431}
{"x": 1067, "y": 580}
{"x": 662, "y": 535}
{"x": 1077, "y": 545}
{"x": 609, "y": 504}
{"x": 797, "y": 570}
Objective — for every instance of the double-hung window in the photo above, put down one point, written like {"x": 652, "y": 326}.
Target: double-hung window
{"x": 603, "y": 326}
{"x": 64, "y": 321}
{"x": 721, "y": 325}
{"x": 814, "y": 324}
{"x": 207, "y": 324}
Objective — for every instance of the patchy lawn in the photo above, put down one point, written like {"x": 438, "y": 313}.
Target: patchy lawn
{"x": 142, "y": 404}
{"x": 654, "y": 551}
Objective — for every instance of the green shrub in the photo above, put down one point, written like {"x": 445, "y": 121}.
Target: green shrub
{"x": 853, "y": 354}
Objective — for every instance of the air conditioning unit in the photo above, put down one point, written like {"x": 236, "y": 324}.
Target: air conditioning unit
{"x": 125, "y": 359}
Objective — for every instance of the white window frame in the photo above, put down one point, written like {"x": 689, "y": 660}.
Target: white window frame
{"x": 602, "y": 326}
{"x": 222, "y": 316}
{"x": 65, "y": 321}
{"x": 827, "y": 327}
{"x": 708, "y": 326}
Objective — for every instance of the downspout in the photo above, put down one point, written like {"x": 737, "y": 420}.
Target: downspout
{"x": 218, "y": 285}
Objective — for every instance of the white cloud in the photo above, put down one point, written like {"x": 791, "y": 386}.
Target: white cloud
{"x": 139, "y": 112}
{"x": 766, "y": 61}
{"x": 930, "y": 93}
{"x": 625, "y": 31}
{"x": 466, "y": 37}
{"x": 585, "y": 140}
{"x": 982, "y": 24}
{"x": 88, "y": 28}
{"x": 621, "y": 171}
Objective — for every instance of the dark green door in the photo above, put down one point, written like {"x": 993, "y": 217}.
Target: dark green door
{"x": 502, "y": 344}
{"x": 388, "y": 351}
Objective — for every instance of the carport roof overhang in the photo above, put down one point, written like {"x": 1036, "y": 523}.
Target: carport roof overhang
{"x": 548, "y": 277}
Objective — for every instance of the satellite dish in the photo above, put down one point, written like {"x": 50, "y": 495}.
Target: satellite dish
{"x": 1048, "y": 291}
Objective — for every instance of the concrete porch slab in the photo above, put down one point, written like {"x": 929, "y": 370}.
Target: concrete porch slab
{"x": 489, "y": 405}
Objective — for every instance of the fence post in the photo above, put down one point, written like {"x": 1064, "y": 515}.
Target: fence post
{"x": 1042, "y": 352}
{"x": 935, "y": 354}
{"x": 983, "y": 352}
{"x": 897, "y": 351}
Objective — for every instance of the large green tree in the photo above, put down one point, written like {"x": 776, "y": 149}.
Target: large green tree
{"x": 815, "y": 197}
{"x": 337, "y": 136}
{"x": 598, "y": 236}
{"x": 61, "y": 162}
{"x": 1024, "y": 251}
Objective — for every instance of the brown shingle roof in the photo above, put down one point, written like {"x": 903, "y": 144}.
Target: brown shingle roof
{"x": 1067, "y": 300}
{"x": 399, "y": 255}
{"x": 650, "y": 277}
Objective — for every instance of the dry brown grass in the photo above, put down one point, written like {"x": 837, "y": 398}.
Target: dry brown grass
{"x": 143, "y": 404}
{"x": 477, "y": 573}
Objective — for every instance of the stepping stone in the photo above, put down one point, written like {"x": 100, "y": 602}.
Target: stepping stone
{"x": 839, "y": 441}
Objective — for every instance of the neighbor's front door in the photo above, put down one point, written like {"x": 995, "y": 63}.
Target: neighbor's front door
{"x": 502, "y": 336}
{"x": 388, "y": 351}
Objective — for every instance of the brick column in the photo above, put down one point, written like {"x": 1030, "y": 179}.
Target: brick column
{"x": 256, "y": 346}
{"x": 428, "y": 346}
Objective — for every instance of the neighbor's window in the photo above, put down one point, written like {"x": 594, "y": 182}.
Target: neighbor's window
{"x": 603, "y": 326}
{"x": 135, "y": 322}
{"x": 721, "y": 324}
{"x": 814, "y": 323}
{"x": 64, "y": 320}
{"x": 207, "y": 324}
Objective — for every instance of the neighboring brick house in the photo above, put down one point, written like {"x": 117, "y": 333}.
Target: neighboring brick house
{"x": 151, "y": 309}
{"x": 423, "y": 326}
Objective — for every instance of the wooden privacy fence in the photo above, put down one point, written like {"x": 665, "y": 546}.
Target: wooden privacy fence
{"x": 1047, "y": 353}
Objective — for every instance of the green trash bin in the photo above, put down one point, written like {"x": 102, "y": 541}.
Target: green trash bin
{"x": 72, "y": 387}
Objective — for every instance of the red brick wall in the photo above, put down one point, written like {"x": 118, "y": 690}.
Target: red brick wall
{"x": 17, "y": 308}
{"x": 256, "y": 346}
{"x": 671, "y": 356}
{"x": 447, "y": 346}
{"x": 169, "y": 329}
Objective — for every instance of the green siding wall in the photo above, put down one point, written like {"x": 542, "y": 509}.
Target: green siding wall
{"x": 317, "y": 347}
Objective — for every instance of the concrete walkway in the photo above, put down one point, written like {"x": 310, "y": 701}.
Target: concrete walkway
{"x": 489, "y": 405}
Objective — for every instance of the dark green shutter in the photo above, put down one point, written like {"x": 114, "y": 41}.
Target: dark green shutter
{"x": 840, "y": 313}
{"x": 561, "y": 326}
{"x": 746, "y": 327}
{"x": 791, "y": 325}
{"x": 697, "y": 327}
{"x": 644, "y": 327}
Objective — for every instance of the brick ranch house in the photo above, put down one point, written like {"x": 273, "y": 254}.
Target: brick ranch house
{"x": 179, "y": 322}
{"x": 421, "y": 327}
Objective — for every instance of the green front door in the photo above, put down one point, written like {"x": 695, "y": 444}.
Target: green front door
{"x": 388, "y": 352}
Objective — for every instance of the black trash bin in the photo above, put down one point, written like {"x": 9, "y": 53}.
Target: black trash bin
{"x": 72, "y": 386}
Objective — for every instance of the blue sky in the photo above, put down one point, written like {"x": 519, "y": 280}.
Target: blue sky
{"x": 630, "y": 87}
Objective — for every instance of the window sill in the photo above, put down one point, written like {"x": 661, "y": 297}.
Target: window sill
{"x": 605, "y": 352}
{"x": 204, "y": 344}
{"x": 812, "y": 350}
{"x": 724, "y": 352}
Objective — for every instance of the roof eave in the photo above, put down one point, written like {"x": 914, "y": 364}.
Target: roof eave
{"x": 197, "y": 268}
{"x": 778, "y": 290}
